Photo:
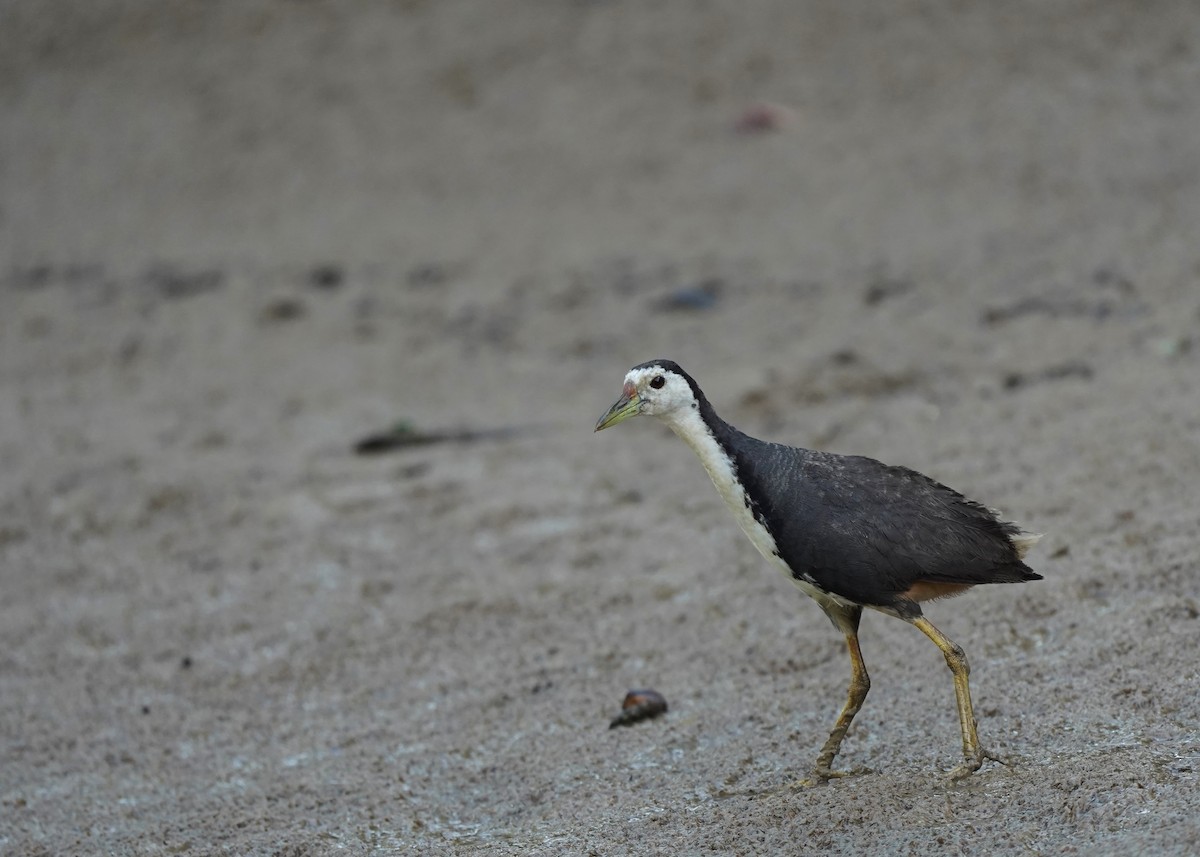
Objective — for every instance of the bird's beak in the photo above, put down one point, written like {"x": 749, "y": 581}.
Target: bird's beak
{"x": 629, "y": 405}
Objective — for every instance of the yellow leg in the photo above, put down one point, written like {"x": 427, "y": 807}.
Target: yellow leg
{"x": 846, "y": 619}
{"x": 860, "y": 683}
{"x": 956, "y": 659}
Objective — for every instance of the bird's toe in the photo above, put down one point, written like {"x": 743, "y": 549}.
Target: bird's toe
{"x": 973, "y": 763}
{"x": 823, "y": 773}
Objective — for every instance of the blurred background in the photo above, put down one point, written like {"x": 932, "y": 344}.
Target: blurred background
{"x": 537, "y": 134}
{"x": 237, "y": 238}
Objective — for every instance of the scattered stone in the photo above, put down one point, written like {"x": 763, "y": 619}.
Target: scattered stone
{"x": 175, "y": 284}
{"x": 326, "y": 277}
{"x": 1108, "y": 278}
{"x": 283, "y": 310}
{"x": 1120, "y": 303}
{"x": 427, "y": 276}
{"x": 1168, "y": 347}
{"x": 404, "y": 435}
{"x": 886, "y": 289}
{"x": 702, "y": 296}
{"x": 1077, "y": 370}
{"x": 765, "y": 118}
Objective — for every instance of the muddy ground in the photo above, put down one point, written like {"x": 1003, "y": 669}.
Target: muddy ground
{"x": 235, "y": 238}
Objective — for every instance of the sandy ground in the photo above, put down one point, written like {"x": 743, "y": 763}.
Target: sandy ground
{"x": 237, "y": 236}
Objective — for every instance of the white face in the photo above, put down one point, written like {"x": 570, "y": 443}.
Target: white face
{"x": 661, "y": 391}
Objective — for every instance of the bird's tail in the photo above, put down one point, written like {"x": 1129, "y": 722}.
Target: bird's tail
{"x": 1023, "y": 541}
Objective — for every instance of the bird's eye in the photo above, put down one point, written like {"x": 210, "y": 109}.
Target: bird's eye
{"x": 657, "y": 382}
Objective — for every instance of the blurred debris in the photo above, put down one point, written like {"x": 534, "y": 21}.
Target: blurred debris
{"x": 1097, "y": 309}
{"x": 1075, "y": 369}
{"x": 282, "y": 309}
{"x": 1108, "y": 278}
{"x": 404, "y": 435}
{"x": 327, "y": 277}
{"x": 364, "y": 311}
{"x": 993, "y": 316}
{"x": 702, "y": 296}
{"x": 886, "y": 288}
{"x": 1168, "y": 347}
{"x": 476, "y": 326}
{"x": 175, "y": 284}
{"x": 33, "y": 277}
{"x": 129, "y": 350}
{"x": 765, "y": 118}
{"x": 414, "y": 471}
{"x": 427, "y": 276}
{"x": 639, "y": 705}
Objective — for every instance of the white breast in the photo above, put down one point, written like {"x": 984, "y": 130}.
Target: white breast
{"x": 688, "y": 425}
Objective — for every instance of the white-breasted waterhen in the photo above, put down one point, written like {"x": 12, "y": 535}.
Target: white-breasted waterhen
{"x": 850, "y": 531}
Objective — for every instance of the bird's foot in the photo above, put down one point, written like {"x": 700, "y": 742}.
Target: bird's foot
{"x": 973, "y": 763}
{"x": 823, "y": 773}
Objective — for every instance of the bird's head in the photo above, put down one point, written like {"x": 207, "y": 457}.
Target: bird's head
{"x": 658, "y": 388}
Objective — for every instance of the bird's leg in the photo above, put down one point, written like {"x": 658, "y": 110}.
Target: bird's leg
{"x": 956, "y": 659}
{"x": 860, "y": 683}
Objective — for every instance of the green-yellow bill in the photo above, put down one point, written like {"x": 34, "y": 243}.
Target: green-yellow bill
{"x": 629, "y": 405}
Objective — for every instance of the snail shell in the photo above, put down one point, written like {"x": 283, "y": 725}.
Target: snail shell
{"x": 639, "y": 705}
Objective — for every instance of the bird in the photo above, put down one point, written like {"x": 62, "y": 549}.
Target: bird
{"x": 850, "y": 531}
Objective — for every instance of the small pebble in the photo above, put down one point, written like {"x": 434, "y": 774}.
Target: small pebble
{"x": 282, "y": 309}
{"x": 765, "y": 118}
{"x": 326, "y": 277}
{"x": 700, "y": 297}
{"x": 175, "y": 283}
